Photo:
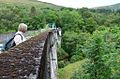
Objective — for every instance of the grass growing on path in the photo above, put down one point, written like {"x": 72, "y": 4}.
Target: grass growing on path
{"x": 66, "y": 72}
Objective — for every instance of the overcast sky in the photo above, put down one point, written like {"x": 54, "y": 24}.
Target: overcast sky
{"x": 82, "y": 3}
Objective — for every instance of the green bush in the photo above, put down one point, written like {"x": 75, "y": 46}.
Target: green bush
{"x": 61, "y": 54}
{"x": 75, "y": 58}
{"x": 62, "y": 63}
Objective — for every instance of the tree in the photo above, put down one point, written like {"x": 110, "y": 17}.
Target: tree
{"x": 94, "y": 52}
{"x": 95, "y": 66}
{"x": 78, "y": 54}
{"x": 90, "y": 25}
{"x": 33, "y": 11}
{"x": 70, "y": 20}
{"x": 70, "y": 40}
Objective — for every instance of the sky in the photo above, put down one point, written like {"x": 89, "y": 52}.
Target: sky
{"x": 82, "y": 3}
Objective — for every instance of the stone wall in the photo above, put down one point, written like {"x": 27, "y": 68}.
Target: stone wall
{"x": 25, "y": 61}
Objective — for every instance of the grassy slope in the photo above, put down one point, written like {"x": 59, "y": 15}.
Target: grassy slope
{"x": 66, "y": 72}
{"x": 28, "y": 3}
{"x": 111, "y": 7}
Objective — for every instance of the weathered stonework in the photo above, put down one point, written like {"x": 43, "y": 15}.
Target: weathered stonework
{"x": 24, "y": 61}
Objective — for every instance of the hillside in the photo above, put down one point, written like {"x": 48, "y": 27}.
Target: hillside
{"x": 111, "y": 7}
{"x": 67, "y": 72}
{"x": 28, "y": 3}
{"x": 12, "y": 12}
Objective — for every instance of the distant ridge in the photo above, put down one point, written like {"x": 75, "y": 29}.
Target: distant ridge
{"x": 30, "y": 3}
{"x": 110, "y": 7}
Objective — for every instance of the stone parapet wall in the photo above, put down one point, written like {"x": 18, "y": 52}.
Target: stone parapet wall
{"x": 24, "y": 61}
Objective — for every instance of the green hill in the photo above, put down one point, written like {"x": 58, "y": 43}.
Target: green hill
{"x": 28, "y": 3}
{"x": 12, "y": 12}
{"x": 111, "y": 7}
